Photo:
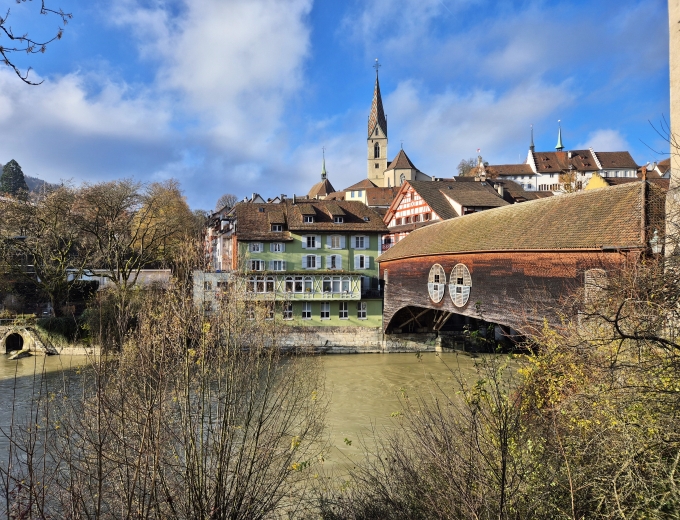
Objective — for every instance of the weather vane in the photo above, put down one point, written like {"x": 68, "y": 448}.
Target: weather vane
{"x": 377, "y": 65}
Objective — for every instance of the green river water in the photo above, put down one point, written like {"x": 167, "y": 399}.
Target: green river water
{"x": 364, "y": 390}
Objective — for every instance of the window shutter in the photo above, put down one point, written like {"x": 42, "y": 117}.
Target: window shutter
{"x": 271, "y": 265}
{"x": 283, "y": 265}
{"x": 271, "y": 247}
{"x": 318, "y": 261}
{"x": 353, "y": 242}
{"x": 304, "y": 261}
{"x": 318, "y": 242}
{"x": 283, "y": 247}
{"x": 342, "y": 242}
{"x": 304, "y": 241}
{"x": 329, "y": 261}
{"x": 260, "y": 246}
{"x": 328, "y": 241}
{"x": 356, "y": 260}
{"x": 367, "y": 262}
{"x": 338, "y": 261}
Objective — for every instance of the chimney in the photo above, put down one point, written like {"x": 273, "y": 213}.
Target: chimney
{"x": 283, "y": 197}
{"x": 569, "y": 155}
{"x": 253, "y": 199}
{"x": 293, "y": 198}
{"x": 500, "y": 190}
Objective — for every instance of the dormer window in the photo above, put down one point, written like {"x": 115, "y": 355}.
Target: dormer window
{"x": 308, "y": 219}
{"x": 277, "y": 227}
{"x": 366, "y": 219}
{"x": 261, "y": 210}
{"x": 338, "y": 220}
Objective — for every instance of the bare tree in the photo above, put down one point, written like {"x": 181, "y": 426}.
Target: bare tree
{"x": 24, "y": 43}
{"x": 226, "y": 201}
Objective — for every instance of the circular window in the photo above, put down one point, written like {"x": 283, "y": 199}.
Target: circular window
{"x": 459, "y": 286}
{"x": 436, "y": 283}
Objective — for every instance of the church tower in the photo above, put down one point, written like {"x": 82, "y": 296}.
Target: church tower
{"x": 377, "y": 136}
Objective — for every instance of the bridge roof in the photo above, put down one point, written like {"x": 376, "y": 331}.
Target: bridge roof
{"x": 607, "y": 217}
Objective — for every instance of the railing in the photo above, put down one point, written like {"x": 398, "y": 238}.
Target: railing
{"x": 385, "y": 247}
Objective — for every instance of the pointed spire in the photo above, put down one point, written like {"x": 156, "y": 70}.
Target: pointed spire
{"x": 559, "y": 146}
{"x": 377, "y": 115}
{"x": 323, "y": 168}
{"x": 531, "y": 146}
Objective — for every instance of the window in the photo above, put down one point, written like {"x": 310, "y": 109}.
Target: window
{"x": 436, "y": 283}
{"x": 256, "y": 265}
{"x": 287, "y": 311}
{"x": 270, "y": 311}
{"x": 309, "y": 284}
{"x": 334, "y": 262}
{"x": 311, "y": 241}
{"x": 250, "y": 311}
{"x": 306, "y": 311}
{"x": 427, "y": 216}
{"x": 361, "y": 310}
{"x": 377, "y": 165}
{"x": 298, "y": 284}
{"x": 338, "y": 220}
{"x": 277, "y": 247}
{"x": 407, "y": 220}
{"x": 345, "y": 284}
{"x": 360, "y": 242}
{"x": 289, "y": 284}
{"x": 335, "y": 242}
{"x": 255, "y": 247}
{"x": 460, "y": 284}
{"x": 311, "y": 262}
{"x": 327, "y": 284}
{"x": 261, "y": 210}
{"x": 362, "y": 262}
{"x": 416, "y": 218}
{"x": 277, "y": 227}
{"x": 397, "y": 222}
{"x": 207, "y": 286}
{"x": 343, "y": 314}
{"x": 277, "y": 265}
{"x": 309, "y": 219}
{"x": 376, "y": 151}
{"x": 402, "y": 178}
{"x": 352, "y": 194}
{"x": 325, "y": 310}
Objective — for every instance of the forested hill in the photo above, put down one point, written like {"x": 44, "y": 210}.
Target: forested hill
{"x": 35, "y": 184}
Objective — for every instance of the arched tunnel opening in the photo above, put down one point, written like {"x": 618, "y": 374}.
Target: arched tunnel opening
{"x": 462, "y": 332}
{"x": 13, "y": 342}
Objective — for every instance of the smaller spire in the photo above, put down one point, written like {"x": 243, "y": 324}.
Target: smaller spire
{"x": 323, "y": 167}
{"x": 559, "y": 146}
{"x": 531, "y": 146}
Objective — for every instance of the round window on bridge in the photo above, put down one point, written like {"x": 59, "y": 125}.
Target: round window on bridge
{"x": 436, "y": 283}
{"x": 459, "y": 285}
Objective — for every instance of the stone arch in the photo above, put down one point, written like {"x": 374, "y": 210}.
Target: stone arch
{"x": 15, "y": 339}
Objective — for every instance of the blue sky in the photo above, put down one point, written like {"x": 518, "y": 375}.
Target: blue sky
{"x": 240, "y": 96}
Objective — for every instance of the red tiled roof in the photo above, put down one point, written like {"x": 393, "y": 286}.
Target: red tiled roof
{"x": 508, "y": 169}
{"x": 381, "y": 196}
{"x": 401, "y": 161}
{"x": 361, "y": 185}
{"x": 321, "y": 189}
{"x": 613, "y": 160}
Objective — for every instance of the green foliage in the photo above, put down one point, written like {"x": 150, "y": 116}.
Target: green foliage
{"x": 12, "y": 181}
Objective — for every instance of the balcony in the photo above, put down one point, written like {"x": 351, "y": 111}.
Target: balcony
{"x": 385, "y": 247}
{"x": 304, "y": 287}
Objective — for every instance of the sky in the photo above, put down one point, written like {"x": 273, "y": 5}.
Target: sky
{"x": 241, "y": 96}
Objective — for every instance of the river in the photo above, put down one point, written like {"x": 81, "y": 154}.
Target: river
{"x": 364, "y": 390}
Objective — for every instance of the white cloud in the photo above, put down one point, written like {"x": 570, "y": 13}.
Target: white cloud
{"x": 605, "y": 140}
{"x": 441, "y": 129}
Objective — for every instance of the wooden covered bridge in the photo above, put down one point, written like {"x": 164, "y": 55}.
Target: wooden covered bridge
{"x": 517, "y": 264}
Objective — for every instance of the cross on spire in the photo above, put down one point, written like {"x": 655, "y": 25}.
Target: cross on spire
{"x": 376, "y": 66}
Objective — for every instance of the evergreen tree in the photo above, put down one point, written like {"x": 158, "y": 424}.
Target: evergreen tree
{"x": 12, "y": 181}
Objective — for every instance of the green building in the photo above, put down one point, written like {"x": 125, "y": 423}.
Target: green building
{"x": 313, "y": 261}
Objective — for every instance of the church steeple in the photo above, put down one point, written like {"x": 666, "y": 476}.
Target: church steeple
{"x": 531, "y": 146}
{"x": 377, "y": 115}
{"x": 559, "y": 146}
{"x": 323, "y": 167}
{"x": 377, "y": 136}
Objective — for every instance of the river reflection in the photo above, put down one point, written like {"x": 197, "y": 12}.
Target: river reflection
{"x": 364, "y": 390}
